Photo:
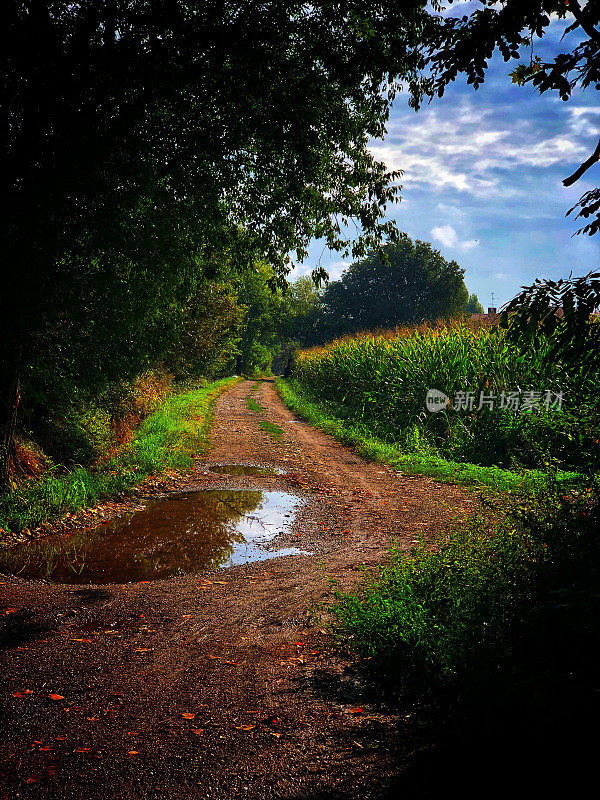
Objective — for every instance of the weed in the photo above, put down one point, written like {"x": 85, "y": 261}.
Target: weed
{"x": 253, "y": 405}
{"x": 273, "y": 430}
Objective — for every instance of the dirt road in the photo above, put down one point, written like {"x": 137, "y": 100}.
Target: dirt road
{"x": 193, "y": 688}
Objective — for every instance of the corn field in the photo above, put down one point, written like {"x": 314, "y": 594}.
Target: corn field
{"x": 381, "y": 380}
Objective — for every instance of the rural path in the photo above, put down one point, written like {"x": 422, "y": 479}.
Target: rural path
{"x": 222, "y": 685}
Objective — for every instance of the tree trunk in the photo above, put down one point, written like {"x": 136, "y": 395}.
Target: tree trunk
{"x": 7, "y": 447}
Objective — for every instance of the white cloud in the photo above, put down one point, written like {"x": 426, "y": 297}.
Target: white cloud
{"x": 470, "y": 151}
{"x": 448, "y": 237}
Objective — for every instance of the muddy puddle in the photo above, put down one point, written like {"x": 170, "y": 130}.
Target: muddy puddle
{"x": 182, "y": 534}
{"x": 244, "y": 469}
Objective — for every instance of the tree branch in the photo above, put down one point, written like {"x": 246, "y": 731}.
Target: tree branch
{"x": 584, "y": 167}
{"x": 580, "y": 16}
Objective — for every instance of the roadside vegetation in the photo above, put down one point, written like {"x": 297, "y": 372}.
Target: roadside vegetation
{"x": 168, "y": 438}
{"x": 419, "y": 460}
{"x": 508, "y": 599}
{"x": 371, "y": 390}
{"x": 490, "y": 600}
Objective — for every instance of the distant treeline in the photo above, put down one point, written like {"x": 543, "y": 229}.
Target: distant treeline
{"x": 406, "y": 283}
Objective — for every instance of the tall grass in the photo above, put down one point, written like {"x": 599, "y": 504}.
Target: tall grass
{"x": 380, "y": 381}
{"x": 167, "y": 439}
{"x": 418, "y": 457}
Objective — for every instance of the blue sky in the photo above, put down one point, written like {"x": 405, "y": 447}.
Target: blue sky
{"x": 483, "y": 177}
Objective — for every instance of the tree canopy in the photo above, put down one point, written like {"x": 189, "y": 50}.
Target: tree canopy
{"x": 473, "y": 305}
{"x": 143, "y": 141}
{"x": 417, "y": 284}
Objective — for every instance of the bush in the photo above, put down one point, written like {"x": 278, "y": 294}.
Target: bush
{"x": 167, "y": 439}
{"x": 459, "y": 613}
{"x": 434, "y": 614}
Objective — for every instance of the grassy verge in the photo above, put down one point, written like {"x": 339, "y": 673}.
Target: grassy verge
{"x": 519, "y": 597}
{"x": 167, "y": 439}
{"x": 421, "y": 463}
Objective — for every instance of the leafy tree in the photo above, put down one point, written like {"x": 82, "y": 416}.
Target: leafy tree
{"x": 206, "y": 339}
{"x": 416, "y": 284}
{"x": 565, "y": 312}
{"x": 473, "y": 305}
{"x": 139, "y": 138}
{"x": 304, "y": 310}
{"x": 264, "y": 312}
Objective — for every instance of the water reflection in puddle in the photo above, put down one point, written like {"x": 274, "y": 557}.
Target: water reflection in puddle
{"x": 180, "y": 535}
{"x": 243, "y": 469}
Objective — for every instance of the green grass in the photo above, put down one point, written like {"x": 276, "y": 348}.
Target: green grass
{"x": 167, "y": 439}
{"x": 273, "y": 430}
{"x": 455, "y": 614}
{"x": 421, "y": 463}
{"x": 253, "y": 405}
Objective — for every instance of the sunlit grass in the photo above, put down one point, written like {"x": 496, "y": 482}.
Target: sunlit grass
{"x": 167, "y": 439}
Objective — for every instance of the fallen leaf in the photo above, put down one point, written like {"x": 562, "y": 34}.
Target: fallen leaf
{"x": 82, "y": 750}
{"x": 244, "y": 727}
{"x": 198, "y": 731}
{"x": 357, "y": 711}
{"x": 56, "y": 697}
{"x": 187, "y": 715}
{"x": 132, "y": 752}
